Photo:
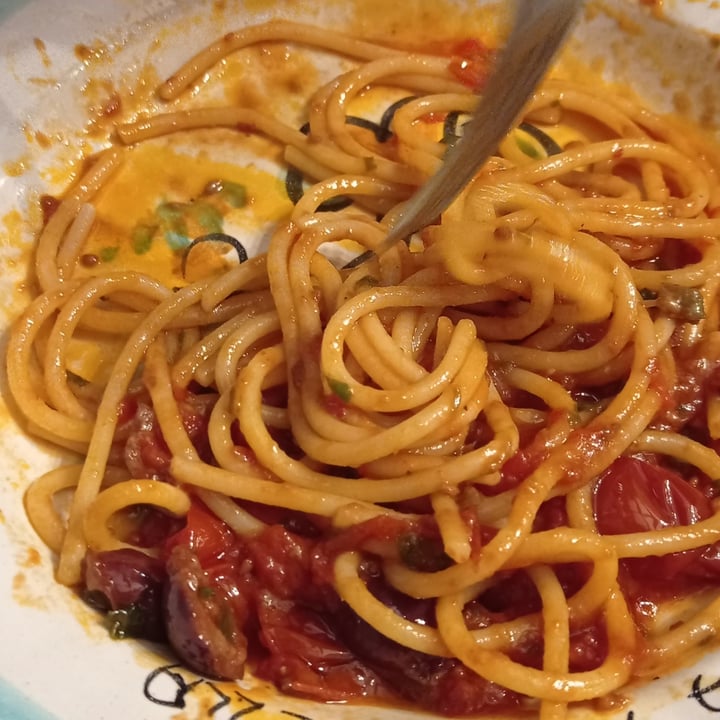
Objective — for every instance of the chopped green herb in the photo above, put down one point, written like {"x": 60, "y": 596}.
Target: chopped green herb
{"x": 648, "y": 294}
{"x": 208, "y": 217}
{"x": 234, "y": 193}
{"x": 172, "y": 218}
{"x": 422, "y": 553}
{"x": 527, "y": 148}
{"x": 108, "y": 254}
{"x": 171, "y": 212}
{"x": 176, "y": 241}
{"x": 682, "y": 303}
{"x": 227, "y": 622}
{"x": 206, "y": 592}
{"x": 341, "y": 389}
{"x": 128, "y": 622}
{"x": 142, "y": 238}
{"x": 368, "y": 281}
{"x": 585, "y": 402}
{"x": 231, "y": 192}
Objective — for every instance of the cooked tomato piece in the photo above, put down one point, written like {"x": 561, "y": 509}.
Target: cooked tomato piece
{"x": 522, "y": 464}
{"x": 138, "y": 441}
{"x": 281, "y": 563}
{"x": 149, "y": 526}
{"x": 305, "y": 656}
{"x": 208, "y": 537}
{"x": 635, "y": 495}
{"x": 470, "y": 63}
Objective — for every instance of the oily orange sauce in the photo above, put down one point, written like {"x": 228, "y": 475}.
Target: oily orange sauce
{"x": 155, "y": 173}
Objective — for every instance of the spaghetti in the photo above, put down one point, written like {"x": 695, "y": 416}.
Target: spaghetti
{"x": 466, "y": 468}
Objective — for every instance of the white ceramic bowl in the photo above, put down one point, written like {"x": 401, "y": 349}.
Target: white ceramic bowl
{"x": 56, "y": 661}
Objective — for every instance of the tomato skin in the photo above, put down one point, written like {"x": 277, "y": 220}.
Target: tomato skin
{"x": 551, "y": 514}
{"x": 306, "y": 657}
{"x": 586, "y": 335}
{"x": 696, "y": 379}
{"x": 138, "y": 442}
{"x": 208, "y": 537}
{"x": 441, "y": 685}
{"x": 470, "y": 63}
{"x": 335, "y": 406}
{"x": 204, "y": 621}
{"x": 147, "y": 454}
{"x": 588, "y": 648}
{"x": 521, "y": 465}
{"x": 282, "y": 563}
{"x": 152, "y": 526}
{"x": 634, "y": 495}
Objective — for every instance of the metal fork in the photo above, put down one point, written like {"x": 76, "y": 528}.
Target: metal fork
{"x": 539, "y": 29}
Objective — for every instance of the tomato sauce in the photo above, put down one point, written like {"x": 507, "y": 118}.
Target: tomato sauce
{"x": 277, "y": 589}
{"x": 268, "y": 602}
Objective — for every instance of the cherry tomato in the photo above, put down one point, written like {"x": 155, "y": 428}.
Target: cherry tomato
{"x": 634, "y": 495}
{"x": 207, "y": 536}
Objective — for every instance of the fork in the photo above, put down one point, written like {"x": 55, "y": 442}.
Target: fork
{"x": 538, "y": 31}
